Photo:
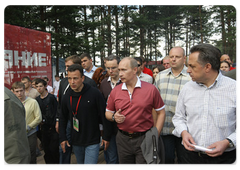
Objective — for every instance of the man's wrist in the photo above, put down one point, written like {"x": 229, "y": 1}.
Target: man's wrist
{"x": 113, "y": 118}
{"x": 230, "y": 145}
{"x": 183, "y": 132}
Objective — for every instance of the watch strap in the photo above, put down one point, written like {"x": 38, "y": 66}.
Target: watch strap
{"x": 113, "y": 118}
{"x": 230, "y": 143}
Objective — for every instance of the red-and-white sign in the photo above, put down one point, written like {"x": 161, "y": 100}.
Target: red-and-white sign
{"x": 27, "y": 52}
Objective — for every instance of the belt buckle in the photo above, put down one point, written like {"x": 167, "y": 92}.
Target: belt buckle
{"x": 200, "y": 154}
{"x": 130, "y": 134}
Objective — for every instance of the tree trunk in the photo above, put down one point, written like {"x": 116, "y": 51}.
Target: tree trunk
{"x": 93, "y": 37}
{"x": 86, "y": 30}
{"x": 56, "y": 42}
{"x": 229, "y": 36}
{"x": 223, "y": 30}
{"x": 102, "y": 51}
{"x": 200, "y": 16}
{"x": 117, "y": 29}
{"x": 109, "y": 31}
{"x": 142, "y": 32}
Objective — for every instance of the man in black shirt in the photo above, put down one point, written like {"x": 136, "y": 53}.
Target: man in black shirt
{"x": 50, "y": 139}
{"x": 65, "y": 158}
{"x": 84, "y": 106}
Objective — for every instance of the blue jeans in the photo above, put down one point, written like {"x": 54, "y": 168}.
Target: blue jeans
{"x": 111, "y": 155}
{"x": 86, "y": 155}
{"x": 65, "y": 158}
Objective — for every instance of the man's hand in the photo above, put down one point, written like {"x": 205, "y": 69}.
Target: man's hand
{"x": 188, "y": 141}
{"x": 105, "y": 143}
{"x": 119, "y": 117}
{"x": 63, "y": 144}
{"x": 57, "y": 127}
{"x": 218, "y": 148}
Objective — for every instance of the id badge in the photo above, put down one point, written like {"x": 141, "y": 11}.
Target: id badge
{"x": 75, "y": 124}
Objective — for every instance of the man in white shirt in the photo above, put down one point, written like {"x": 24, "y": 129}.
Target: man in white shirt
{"x": 142, "y": 76}
{"x": 56, "y": 84}
{"x": 49, "y": 88}
{"x": 206, "y": 110}
{"x": 88, "y": 67}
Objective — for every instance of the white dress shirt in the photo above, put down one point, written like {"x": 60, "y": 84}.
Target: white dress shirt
{"x": 207, "y": 113}
{"x": 146, "y": 77}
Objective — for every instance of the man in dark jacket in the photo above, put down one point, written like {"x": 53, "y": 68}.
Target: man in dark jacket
{"x": 84, "y": 106}
{"x": 111, "y": 155}
{"x": 65, "y": 158}
{"x": 50, "y": 138}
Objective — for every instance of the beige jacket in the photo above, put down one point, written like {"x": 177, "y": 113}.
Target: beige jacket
{"x": 33, "y": 115}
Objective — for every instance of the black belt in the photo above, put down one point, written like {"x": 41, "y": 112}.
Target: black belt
{"x": 133, "y": 134}
{"x": 202, "y": 154}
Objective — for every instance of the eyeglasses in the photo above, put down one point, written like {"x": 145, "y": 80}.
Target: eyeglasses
{"x": 113, "y": 68}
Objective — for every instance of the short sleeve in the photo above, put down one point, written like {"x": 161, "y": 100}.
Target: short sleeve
{"x": 157, "y": 100}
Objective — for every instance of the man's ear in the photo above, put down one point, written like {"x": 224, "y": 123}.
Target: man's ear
{"x": 208, "y": 67}
{"x": 135, "y": 69}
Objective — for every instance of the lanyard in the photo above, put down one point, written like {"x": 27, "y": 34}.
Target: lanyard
{"x": 74, "y": 114}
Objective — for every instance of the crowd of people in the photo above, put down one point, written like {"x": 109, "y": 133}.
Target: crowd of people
{"x": 182, "y": 111}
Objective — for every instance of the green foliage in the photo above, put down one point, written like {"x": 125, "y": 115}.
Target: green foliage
{"x": 128, "y": 30}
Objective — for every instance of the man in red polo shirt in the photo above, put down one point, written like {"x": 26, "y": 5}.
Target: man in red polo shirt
{"x": 130, "y": 105}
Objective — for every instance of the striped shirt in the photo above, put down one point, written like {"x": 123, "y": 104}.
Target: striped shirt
{"x": 169, "y": 87}
{"x": 207, "y": 113}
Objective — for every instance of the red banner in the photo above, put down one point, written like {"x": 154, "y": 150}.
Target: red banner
{"x": 27, "y": 52}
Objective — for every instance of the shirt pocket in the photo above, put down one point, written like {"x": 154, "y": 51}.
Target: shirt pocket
{"x": 223, "y": 116}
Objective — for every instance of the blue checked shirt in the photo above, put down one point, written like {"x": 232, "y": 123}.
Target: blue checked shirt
{"x": 207, "y": 113}
{"x": 169, "y": 87}
{"x": 89, "y": 74}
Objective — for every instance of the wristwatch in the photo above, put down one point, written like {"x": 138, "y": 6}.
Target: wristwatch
{"x": 113, "y": 117}
{"x": 231, "y": 145}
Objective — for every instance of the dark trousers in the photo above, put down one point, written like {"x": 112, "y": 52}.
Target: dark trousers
{"x": 65, "y": 158}
{"x": 171, "y": 146}
{"x": 50, "y": 143}
{"x": 191, "y": 157}
{"x": 32, "y": 141}
{"x": 111, "y": 155}
{"x": 39, "y": 133}
{"x": 129, "y": 149}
